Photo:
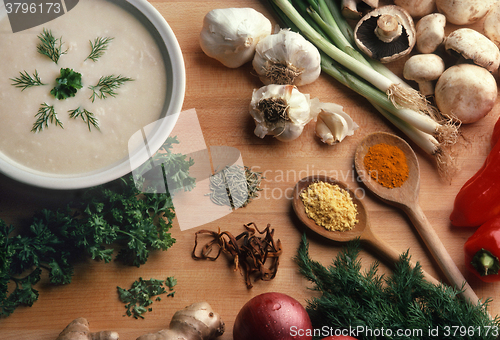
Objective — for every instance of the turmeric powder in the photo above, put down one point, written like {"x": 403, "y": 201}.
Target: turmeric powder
{"x": 387, "y": 165}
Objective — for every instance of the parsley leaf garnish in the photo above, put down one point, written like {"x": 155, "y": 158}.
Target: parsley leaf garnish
{"x": 68, "y": 83}
{"x": 139, "y": 297}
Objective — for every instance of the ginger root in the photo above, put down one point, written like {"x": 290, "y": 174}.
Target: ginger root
{"x": 195, "y": 322}
{"x": 78, "y": 329}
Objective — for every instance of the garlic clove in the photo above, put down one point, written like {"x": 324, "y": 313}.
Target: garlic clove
{"x": 230, "y": 35}
{"x": 333, "y": 124}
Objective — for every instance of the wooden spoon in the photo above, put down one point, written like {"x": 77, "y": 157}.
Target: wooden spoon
{"x": 405, "y": 197}
{"x": 361, "y": 229}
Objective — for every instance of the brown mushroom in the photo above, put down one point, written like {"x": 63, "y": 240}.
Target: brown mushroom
{"x": 386, "y": 33}
{"x": 473, "y": 46}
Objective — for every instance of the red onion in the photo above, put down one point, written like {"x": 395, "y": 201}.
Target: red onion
{"x": 272, "y": 316}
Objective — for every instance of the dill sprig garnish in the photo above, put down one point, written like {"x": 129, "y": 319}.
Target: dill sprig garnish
{"x": 50, "y": 46}
{"x": 106, "y": 86}
{"x": 87, "y": 116}
{"x": 98, "y": 47}
{"x": 46, "y": 114}
{"x": 25, "y": 80}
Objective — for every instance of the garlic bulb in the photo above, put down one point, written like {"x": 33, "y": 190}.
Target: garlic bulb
{"x": 286, "y": 58}
{"x": 333, "y": 124}
{"x": 281, "y": 111}
{"x": 230, "y": 34}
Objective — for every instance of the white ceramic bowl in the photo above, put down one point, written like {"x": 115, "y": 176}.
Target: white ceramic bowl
{"x": 157, "y": 132}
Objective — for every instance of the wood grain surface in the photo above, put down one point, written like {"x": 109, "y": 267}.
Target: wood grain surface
{"x": 220, "y": 98}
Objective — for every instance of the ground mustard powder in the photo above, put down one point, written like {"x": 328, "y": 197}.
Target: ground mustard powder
{"x": 330, "y": 206}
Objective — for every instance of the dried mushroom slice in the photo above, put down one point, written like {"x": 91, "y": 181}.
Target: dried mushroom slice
{"x": 386, "y": 34}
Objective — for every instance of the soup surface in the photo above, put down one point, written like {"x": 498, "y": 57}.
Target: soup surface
{"x": 74, "y": 149}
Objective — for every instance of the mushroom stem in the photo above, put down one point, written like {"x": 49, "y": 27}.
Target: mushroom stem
{"x": 426, "y": 88}
{"x": 388, "y": 28}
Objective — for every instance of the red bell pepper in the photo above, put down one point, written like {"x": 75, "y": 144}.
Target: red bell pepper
{"x": 479, "y": 199}
{"x": 482, "y": 251}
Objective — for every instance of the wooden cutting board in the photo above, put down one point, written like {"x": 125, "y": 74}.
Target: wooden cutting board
{"x": 220, "y": 98}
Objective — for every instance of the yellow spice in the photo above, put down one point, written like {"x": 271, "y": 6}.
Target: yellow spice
{"x": 330, "y": 206}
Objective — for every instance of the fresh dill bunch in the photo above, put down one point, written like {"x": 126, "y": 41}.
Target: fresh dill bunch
{"x": 98, "y": 47}
{"x": 107, "y": 85}
{"x": 87, "y": 116}
{"x": 25, "y": 80}
{"x": 46, "y": 115}
{"x": 50, "y": 46}
{"x": 363, "y": 302}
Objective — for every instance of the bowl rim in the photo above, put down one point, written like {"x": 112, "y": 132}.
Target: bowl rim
{"x": 120, "y": 168}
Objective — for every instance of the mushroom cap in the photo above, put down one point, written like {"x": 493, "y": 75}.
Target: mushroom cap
{"x": 491, "y": 24}
{"x": 368, "y": 41}
{"x": 423, "y": 67}
{"x": 430, "y": 32}
{"x": 474, "y": 46}
{"x": 464, "y": 12}
{"x": 466, "y": 92}
{"x": 417, "y": 8}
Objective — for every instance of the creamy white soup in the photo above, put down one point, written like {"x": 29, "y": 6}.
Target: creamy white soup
{"x": 74, "y": 149}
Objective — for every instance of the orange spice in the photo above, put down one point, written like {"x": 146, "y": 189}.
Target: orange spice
{"x": 387, "y": 165}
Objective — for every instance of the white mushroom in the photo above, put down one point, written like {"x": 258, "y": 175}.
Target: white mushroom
{"x": 386, "y": 33}
{"x": 466, "y": 93}
{"x": 491, "y": 24}
{"x": 430, "y": 32}
{"x": 424, "y": 69}
{"x": 473, "y": 46}
{"x": 417, "y": 8}
{"x": 463, "y": 12}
